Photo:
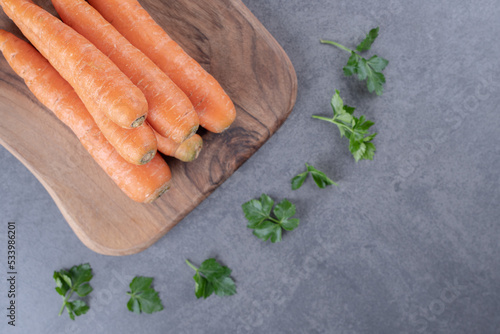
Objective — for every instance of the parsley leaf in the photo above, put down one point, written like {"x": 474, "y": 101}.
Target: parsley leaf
{"x": 212, "y": 277}
{"x": 258, "y": 214}
{"x": 366, "y": 69}
{"x": 366, "y": 44}
{"x": 318, "y": 176}
{"x": 143, "y": 297}
{"x": 74, "y": 280}
{"x": 268, "y": 230}
{"x": 369, "y": 70}
{"x": 258, "y": 211}
{"x": 354, "y": 129}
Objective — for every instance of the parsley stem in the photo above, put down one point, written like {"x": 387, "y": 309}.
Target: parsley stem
{"x": 340, "y": 46}
{"x": 191, "y": 265}
{"x": 62, "y": 308}
{"x": 65, "y": 301}
{"x": 332, "y": 120}
{"x": 323, "y": 118}
{"x": 274, "y": 220}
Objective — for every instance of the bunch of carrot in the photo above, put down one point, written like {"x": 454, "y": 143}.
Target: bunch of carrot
{"x": 125, "y": 88}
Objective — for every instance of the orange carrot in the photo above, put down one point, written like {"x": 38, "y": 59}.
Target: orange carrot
{"x": 136, "y": 146}
{"x": 141, "y": 183}
{"x": 214, "y": 107}
{"x": 93, "y": 75}
{"x": 170, "y": 112}
{"x": 186, "y": 151}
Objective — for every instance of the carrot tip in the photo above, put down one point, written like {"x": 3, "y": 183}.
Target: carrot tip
{"x": 148, "y": 157}
{"x": 159, "y": 193}
{"x": 195, "y": 155}
{"x": 139, "y": 121}
{"x": 192, "y": 132}
{"x": 191, "y": 153}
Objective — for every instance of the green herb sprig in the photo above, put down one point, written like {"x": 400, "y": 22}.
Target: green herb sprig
{"x": 318, "y": 176}
{"x": 366, "y": 69}
{"x": 212, "y": 277}
{"x": 143, "y": 298}
{"x": 354, "y": 129}
{"x": 258, "y": 214}
{"x": 74, "y": 280}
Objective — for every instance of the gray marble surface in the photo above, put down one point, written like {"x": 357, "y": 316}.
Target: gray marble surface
{"x": 408, "y": 243}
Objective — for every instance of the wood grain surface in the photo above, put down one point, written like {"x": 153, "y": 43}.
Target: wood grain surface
{"x": 231, "y": 44}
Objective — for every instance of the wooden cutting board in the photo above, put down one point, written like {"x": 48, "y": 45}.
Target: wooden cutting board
{"x": 231, "y": 44}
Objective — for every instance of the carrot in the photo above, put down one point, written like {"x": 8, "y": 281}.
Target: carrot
{"x": 214, "y": 107}
{"x": 93, "y": 75}
{"x": 186, "y": 151}
{"x": 141, "y": 183}
{"x": 136, "y": 146}
{"x": 170, "y": 112}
